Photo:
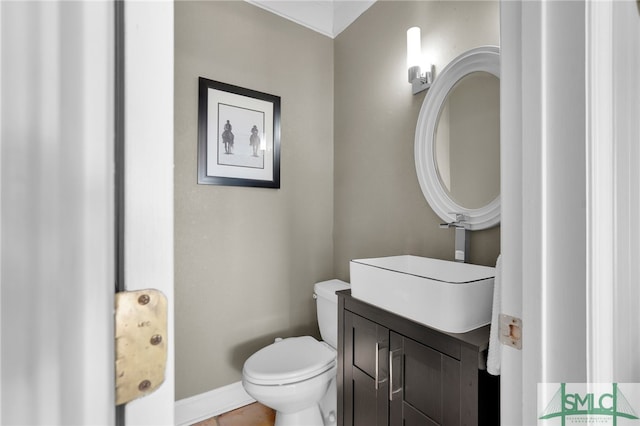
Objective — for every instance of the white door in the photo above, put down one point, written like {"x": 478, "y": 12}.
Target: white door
{"x": 57, "y": 270}
{"x": 571, "y": 196}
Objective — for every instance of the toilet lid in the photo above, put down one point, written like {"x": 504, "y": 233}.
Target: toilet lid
{"x": 288, "y": 361}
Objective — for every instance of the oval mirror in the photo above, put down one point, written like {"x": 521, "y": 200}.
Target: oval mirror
{"x": 457, "y": 145}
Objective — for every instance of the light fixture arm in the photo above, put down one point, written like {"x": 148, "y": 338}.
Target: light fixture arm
{"x": 421, "y": 81}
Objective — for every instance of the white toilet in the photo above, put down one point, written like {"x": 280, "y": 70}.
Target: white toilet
{"x": 297, "y": 376}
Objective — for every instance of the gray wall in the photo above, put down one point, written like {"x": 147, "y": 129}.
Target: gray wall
{"x": 379, "y": 207}
{"x": 474, "y": 140}
{"x": 246, "y": 259}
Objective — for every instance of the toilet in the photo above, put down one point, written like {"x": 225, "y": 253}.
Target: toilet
{"x": 296, "y": 376}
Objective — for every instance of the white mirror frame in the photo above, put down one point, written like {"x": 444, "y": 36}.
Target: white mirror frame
{"x": 484, "y": 58}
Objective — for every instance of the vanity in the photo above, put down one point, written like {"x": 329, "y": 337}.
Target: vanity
{"x": 413, "y": 332}
{"x": 394, "y": 371}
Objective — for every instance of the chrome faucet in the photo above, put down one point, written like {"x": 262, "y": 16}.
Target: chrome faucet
{"x": 462, "y": 239}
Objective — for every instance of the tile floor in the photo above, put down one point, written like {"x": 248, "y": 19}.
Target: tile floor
{"x": 254, "y": 414}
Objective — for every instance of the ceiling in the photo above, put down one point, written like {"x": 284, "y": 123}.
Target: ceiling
{"x": 328, "y": 17}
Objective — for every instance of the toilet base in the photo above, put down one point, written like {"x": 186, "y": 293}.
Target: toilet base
{"x": 307, "y": 417}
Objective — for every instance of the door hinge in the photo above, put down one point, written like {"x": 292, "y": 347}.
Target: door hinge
{"x": 140, "y": 342}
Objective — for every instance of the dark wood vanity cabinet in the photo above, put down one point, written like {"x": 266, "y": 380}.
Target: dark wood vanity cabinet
{"x": 393, "y": 371}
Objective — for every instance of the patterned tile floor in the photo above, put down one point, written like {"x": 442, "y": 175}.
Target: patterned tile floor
{"x": 254, "y": 414}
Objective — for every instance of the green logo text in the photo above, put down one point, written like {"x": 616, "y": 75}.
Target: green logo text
{"x": 612, "y": 404}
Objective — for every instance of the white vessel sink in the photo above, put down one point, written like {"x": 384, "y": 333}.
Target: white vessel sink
{"x": 449, "y": 296}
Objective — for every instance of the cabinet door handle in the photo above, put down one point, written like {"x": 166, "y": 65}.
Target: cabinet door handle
{"x": 379, "y": 378}
{"x": 377, "y": 383}
{"x": 392, "y": 391}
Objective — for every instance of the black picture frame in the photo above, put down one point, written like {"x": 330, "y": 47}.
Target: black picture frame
{"x": 238, "y": 136}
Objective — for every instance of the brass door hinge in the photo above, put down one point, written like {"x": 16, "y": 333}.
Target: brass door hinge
{"x": 141, "y": 343}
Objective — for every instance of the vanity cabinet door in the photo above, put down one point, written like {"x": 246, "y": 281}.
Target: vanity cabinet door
{"x": 424, "y": 385}
{"x": 366, "y": 390}
{"x": 394, "y": 371}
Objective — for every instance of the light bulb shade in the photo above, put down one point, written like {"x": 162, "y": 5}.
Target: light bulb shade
{"x": 414, "y": 48}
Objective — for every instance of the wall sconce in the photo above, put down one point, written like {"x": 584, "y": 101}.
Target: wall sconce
{"x": 415, "y": 61}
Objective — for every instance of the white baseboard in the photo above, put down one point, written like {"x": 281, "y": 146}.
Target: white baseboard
{"x": 209, "y": 404}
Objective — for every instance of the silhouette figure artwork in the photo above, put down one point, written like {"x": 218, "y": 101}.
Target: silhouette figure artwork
{"x": 227, "y": 138}
{"x": 254, "y": 140}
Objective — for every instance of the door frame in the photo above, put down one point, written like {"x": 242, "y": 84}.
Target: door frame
{"x": 58, "y": 208}
{"x": 148, "y": 178}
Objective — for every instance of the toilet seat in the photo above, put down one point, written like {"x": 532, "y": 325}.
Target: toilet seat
{"x": 289, "y": 361}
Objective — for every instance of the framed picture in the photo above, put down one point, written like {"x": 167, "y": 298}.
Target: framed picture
{"x": 238, "y": 136}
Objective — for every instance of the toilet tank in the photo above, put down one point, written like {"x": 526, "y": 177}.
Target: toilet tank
{"x": 327, "y": 308}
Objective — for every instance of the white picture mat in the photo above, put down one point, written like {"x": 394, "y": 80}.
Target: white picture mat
{"x": 242, "y": 112}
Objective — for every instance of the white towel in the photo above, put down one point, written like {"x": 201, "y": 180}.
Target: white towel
{"x": 494, "y": 357}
